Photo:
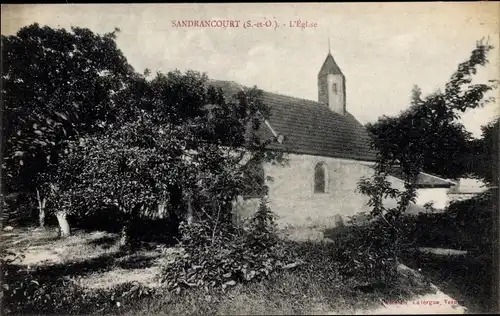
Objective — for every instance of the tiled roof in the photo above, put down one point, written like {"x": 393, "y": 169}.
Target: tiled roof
{"x": 425, "y": 180}
{"x": 329, "y": 67}
{"x": 310, "y": 127}
{"x": 468, "y": 186}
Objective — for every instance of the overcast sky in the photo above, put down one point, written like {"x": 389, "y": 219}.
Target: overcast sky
{"x": 382, "y": 48}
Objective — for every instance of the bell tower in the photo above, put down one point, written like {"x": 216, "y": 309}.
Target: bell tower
{"x": 331, "y": 86}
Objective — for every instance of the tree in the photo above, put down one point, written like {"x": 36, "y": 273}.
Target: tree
{"x": 57, "y": 86}
{"x": 483, "y": 158}
{"x": 174, "y": 140}
{"x": 444, "y": 154}
{"x": 120, "y": 169}
{"x": 424, "y": 136}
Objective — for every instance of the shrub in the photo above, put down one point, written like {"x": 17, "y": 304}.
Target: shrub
{"x": 218, "y": 257}
{"x": 466, "y": 224}
{"x": 475, "y": 219}
{"x": 19, "y": 209}
{"x": 369, "y": 253}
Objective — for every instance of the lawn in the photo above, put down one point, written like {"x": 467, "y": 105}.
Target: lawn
{"x": 88, "y": 273}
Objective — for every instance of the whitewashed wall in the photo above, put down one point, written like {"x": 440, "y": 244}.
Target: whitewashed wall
{"x": 438, "y": 196}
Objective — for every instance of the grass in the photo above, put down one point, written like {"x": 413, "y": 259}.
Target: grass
{"x": 306, "y": 290}
{"x": 87, "y": 273}
{"x": 288, "y": 294}
{"x": 43, "y": 247}
{"x": 469, "y": 278}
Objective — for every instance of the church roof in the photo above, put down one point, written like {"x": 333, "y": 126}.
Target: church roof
{"x": 424, "y": 180}
{"x": 329, "y": 67}
{"x": 310, "y": 127}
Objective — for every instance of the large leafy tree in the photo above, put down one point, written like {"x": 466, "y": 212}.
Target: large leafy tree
{"x": 427, "y": 135}
{"x": 57, "y": 85}
{"x": 178, "y": 141}
{"x": 449, "y": 141}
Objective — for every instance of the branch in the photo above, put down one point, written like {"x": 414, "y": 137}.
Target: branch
{"x": 216, "y": 222}
{"x": 383, "y": 217}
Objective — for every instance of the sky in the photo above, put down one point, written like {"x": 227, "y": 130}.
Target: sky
{"x": 383, "y": 49}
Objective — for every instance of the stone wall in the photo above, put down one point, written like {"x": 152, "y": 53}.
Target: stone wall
{"x": 292, "y": 197}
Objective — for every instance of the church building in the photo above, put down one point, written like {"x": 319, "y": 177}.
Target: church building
{"x": 328, "y": 151}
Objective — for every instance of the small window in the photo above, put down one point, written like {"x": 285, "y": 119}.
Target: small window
{"x": 320, "y": 178}
{"x": 334, "y": 88}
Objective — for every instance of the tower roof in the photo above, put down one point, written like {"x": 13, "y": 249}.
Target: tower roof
{"x": 329, "y": 67}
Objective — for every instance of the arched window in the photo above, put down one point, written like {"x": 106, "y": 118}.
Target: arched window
{"x": 320, "y": 178}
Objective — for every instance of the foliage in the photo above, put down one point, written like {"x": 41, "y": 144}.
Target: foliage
{"x": 427, "y": 135}
{"x": 484, "y": 154}
{"x": 57, "y": 87}
{"x": 297, "y": 291}
{"x": 424, "y": 136}
{"x": 86, "y": 131}
{"x": 467, "y": 224}
{"x": 45, "y": 102}
{"x": 17, "y": 209}
{"x": 452, "y": 138}
{"x": 194, "y": 161}
{"x": 218, "y": 257}
{"x": 25, "y": 293}
{"x": 367, "y": 253}
{"x": 471, "y": 274}
{"x": 115, "y": 169}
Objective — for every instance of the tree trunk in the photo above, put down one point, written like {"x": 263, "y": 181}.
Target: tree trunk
{"x": 189, "y": 203}
{"x": 128, "y": 235}
{"x": 63, "y": 224}
{"x": 124, "y": 235}
{"x": 41, "y": 209}
{"x": 162, "y": 208}
{"x": 124, "y": 239}
{"x": 41, "y": 217}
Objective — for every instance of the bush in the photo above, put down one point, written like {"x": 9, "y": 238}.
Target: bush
{"x": 368, "y": 254}
{"x": 19, "y": 209}
{"x": 218, "y": 257}
{"x": 466, "y": 225}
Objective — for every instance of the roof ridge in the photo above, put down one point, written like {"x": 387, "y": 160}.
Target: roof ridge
{"x": 291, "y": 97}
{"x": 278, "y": 94}
{"x": 435, "y": 176}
